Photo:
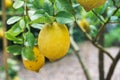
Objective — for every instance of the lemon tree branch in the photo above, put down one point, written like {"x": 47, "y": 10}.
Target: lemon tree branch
{"x": 98, "y": 16}
{"x": 25, "y": 8}
{"x": 112, "y": 67}
{"x": 79, "y": 57}
{"x": 95, "y": 43}
{"x": 85, "y": 69}
{"x": 114, "y": 3}
{"x": 102, "y": 27}
{"x": 100, "y": 35}
{"x": 101, "y": 57}
{"x": 4, "y": 39}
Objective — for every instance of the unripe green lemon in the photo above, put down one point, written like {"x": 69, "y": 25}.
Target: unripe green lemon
{"x": 54, "y": 41}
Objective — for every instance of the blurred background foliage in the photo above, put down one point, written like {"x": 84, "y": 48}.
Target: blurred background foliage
{"x": 12, "y": 70}
{"x": 112, "y": 29}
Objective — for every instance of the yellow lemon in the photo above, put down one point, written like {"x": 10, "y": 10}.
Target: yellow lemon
{"x": 1, "y": 32}
{"x": 35, "y": 65}
{"x": 90, "y": 4}
{"x": 84, "y": 25}
{"x": 54, "y": 41}
{"x": 8, "y": 3}
{"x": 16, "y": 78}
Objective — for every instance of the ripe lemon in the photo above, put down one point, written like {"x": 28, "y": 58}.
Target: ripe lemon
{"x": 90, "y": 4}
{"x": 1, "y": 32}
{"x": 54, "y": 41}
{"x": 84, "y": 25}
{"x": 8, "y": 3}
{"x": 35, "y": 65}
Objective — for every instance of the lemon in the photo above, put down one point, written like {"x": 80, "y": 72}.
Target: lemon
{"x": 1, "y": 32}
{"x": 8, "y": 3}
{"x": 35, "y": 65}
{"x": 54, "y": 41}
{"x": 90, "y": 4}
{"x": 16, "y": 78}
{"x": 84, "y": 25}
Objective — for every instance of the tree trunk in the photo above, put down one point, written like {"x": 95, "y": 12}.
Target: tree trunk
{"x": 101, "y": 58}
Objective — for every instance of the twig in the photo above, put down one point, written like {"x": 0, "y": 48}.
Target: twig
{"x": 112, "y": 67}
{"x": 98, "y": 16}
{"x": 102, "y": 27}
{"x": 4, "y": 39}
{"x": 26, "y": 14}
{"x": 95, "y": 43}
{"x": 76, "y": 48}
{"x": 25, "y": 8}
{"x": 101, "y": 48}
{"x": 114, "y": 3}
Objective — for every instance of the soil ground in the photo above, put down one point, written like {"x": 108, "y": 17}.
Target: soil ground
{"x": 68, "y": 68}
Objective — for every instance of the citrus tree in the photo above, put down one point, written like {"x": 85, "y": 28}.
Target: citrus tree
{"x": 45, "y": 28}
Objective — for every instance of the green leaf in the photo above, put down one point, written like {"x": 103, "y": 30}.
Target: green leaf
{"x": 13, "y": 19}
{"x": 15, "y": 29}
{"x": 37, "y": 4}
{"x": 35, "y": 16}
{"x": 9, "y": 36}
{"x": 13, "y": 38}
{"x": 14, "y": 49}
{"x": 36, "y": 41}
{"x": 110, "y": 11}
{"x": 40, "y": 11}
{"x": 18, "y": 41}
{"x": 18, "y": 3}
{"x": 44, "y": 5}
{"x": 114, "y": 18}
{"x": 29, "y": 39}
{"x": 27, "y": 53}
{"x": 53, "y": 1}
{"x": 43, "y": 19}
{"x": 64, "y": 5}
{"x": 41, "y": 2}
{"x": 64, "y": 17}
{"x": 48, "y": 7}
{"x": 37, "y": 26}
{"x": 22, "y": 24}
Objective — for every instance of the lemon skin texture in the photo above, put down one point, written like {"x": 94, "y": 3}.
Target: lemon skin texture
{"x": 37, "y": 63}
{"x": 54, "y": 41}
